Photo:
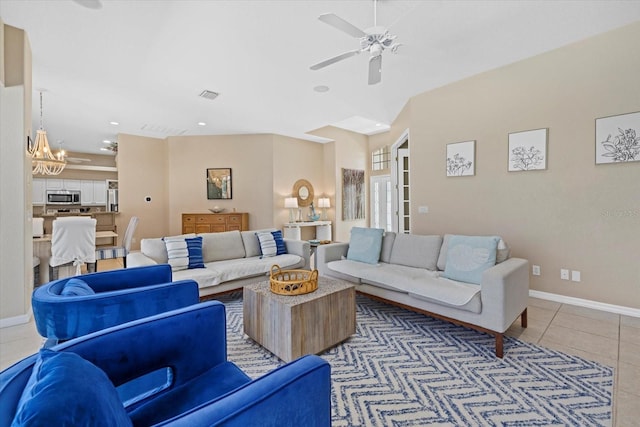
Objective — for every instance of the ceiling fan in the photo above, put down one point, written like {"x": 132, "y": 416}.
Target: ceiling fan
{"x": 373, "y": 40}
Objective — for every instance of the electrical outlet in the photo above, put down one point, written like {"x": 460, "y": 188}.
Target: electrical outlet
{"x": 564, "y": 274}
{"x": 535, "y": 270}
{"x": 575, "y": 275}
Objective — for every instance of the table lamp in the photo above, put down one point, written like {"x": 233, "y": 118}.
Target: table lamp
{"x": 291, "y": 203}
{"x": 324, "y": 203}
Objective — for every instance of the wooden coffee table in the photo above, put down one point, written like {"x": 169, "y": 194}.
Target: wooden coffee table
{"x": 292, "y": 326}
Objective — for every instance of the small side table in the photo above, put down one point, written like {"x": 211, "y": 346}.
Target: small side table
{"x": 292, "y": 230}
{"x": 292, "y": 326}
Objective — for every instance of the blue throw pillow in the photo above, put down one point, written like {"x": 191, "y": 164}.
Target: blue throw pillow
{"x": 76, "y": 287}
{"x": 280, "y": 246}
{"x": 365, "y": 245}
{"x": 66, "y": 390}
{"x": 469, "y": 256}
{"x": 194, "y": 247}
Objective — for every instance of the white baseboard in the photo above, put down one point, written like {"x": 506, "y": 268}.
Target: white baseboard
{"x": 16, "y": 320}
{"x": 611, "y": 308}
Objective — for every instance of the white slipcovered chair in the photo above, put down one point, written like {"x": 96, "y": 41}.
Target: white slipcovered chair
{"x": 119, "y": 251}
{"x": 73, "y": 242}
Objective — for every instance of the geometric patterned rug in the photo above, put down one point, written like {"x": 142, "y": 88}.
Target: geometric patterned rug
{"x": 406, "y": 369}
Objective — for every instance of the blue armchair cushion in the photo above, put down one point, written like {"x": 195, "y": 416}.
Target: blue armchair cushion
{"x": 76, "y": 288}
{"x": 66, "y": 390}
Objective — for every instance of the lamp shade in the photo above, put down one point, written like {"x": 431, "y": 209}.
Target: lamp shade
{"x": 291, "y": 203}
{"x": 324, "y": 202}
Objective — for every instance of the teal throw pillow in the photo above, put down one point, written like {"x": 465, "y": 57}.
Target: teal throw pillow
{"x": 469, "y": 256}
{"x": 365, "y": 245}
{"x": 66, "y": 390}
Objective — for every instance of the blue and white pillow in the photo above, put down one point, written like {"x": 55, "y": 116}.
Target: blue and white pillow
{"x": 469, "y": 256}
{"x": 365, "y": 245}
{"x": 184, "y": 253}
{"x": 271, "y": 243}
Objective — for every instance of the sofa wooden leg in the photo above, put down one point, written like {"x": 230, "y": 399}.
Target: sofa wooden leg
{"x": 523, "y": 318}
{"x": 499, "y": 345}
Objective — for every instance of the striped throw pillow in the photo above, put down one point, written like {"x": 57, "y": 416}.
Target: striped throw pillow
{"x": 184, "y": 253}
{"x": 271, "y": 243}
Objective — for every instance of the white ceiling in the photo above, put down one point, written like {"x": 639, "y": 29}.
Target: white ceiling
{"x": 143, "y": 63}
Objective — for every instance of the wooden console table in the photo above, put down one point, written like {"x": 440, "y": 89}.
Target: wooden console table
{"x": 214, "y": 222}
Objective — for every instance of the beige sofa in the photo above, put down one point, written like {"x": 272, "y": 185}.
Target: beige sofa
{"x": 232, "y": 259}
{"x": 410, "y": 273}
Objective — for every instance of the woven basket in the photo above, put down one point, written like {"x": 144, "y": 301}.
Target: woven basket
{"x": 292, "y": 282}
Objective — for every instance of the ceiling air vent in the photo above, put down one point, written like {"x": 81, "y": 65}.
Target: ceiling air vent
{"x": 209, "y": 94}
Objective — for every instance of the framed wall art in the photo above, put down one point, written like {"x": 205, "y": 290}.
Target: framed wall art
{"x": 618, "y": 138}
{"x": 528, "y": 150}
{"x": 461, "y": 158}
{"x": 352, "y": 194}
{"x": 219, "y": 183}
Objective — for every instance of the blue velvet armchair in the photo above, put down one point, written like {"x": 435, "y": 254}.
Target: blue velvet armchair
{"x": 200, "y": 387}
{"x": 75, "y": 306}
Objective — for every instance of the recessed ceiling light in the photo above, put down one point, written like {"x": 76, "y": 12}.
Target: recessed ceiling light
{"x": 378, "y": 124}
{"x": 321, "y": 88}
{"x": 202, "y": 124}
{"x": 114, "y": 123}
{"x": 106, "y": 141}
{"x": 104, "y": 149}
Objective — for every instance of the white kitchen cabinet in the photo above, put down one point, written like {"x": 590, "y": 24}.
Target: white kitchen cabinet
{"x": 55, "y": 184}
{"x": 100, "y": 192}
{"x": 39, "y": 192}
{"x": 93, "y": 192}
{"x": 72, "y": 184}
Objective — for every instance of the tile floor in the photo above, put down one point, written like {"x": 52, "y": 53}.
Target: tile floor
{"x": 610, "y": 339}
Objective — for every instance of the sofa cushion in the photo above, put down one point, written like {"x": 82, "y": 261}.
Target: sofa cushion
{"x": 469, "y": 256}
{"x": 156, "y": 249}
{"x": 414, "y": 250}
{"x": 220, "y": 246}
{"x": 76, "y": 287}
{"x": 66, "y": 390}
{"x": 271, "y": 243}
{"x": 232, "y": 269}
{"x": 387, "y": 246}
{"x": 365, "y": 244}
{"x": 501, "y": 255}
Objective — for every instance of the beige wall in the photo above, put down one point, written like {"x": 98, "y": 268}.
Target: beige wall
{"x": 143, "y": 171}
{"x": 350, "y": 151}
{"x": 16, "y": 248}
{"x": 173, "y": 171}
{"x": 250, "y": 160}
{"x": 294, "y": 159}
{"x": 574, "y": 215}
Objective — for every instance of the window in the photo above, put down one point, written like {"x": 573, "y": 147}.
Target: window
{"x": 380, "y": 158}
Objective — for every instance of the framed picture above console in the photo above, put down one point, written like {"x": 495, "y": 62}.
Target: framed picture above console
{"x": 219, "y": 183}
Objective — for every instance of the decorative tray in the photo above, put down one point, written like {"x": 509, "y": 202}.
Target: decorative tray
{"x": 292, "y": 282}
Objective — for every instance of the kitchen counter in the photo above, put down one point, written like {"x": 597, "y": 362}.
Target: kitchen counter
{"x": 105, "y": 221}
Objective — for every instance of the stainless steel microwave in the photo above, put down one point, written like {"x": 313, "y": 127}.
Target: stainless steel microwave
{"x": 63, "y": 197}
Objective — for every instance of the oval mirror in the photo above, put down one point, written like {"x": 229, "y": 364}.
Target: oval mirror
{"x": 303, "y": 190}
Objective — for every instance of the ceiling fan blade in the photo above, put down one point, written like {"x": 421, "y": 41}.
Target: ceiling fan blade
{"x": 335, "y": 59}
{"x": 375, "y": 69}
{"x": 342, "y": 25}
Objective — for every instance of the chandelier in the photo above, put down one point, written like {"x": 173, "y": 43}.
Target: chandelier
{"x": 43, "y": 161}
